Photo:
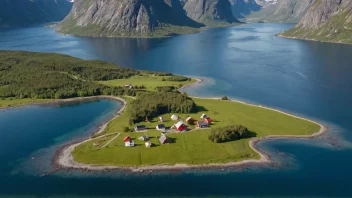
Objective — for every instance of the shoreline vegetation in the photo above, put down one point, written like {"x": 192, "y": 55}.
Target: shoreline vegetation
{"x": 307, "y": 39}
{"x": 65, "y": 159}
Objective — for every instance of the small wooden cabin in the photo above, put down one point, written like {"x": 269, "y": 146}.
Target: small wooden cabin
{"x": 128, "y": 141}
{"x": 164, "y": 140}
{"x": 140, "y": 128}
{"x": 180, "y": 126}
{"x": 208, "y": 120}
{"x": 174, "y": 117}
{"x": 201, "y": 125}
{"x": 148, "y": 144}
{"x": 204, "y": 116}
{"x": 190, "y": 120}
{"x": 144, "y": 138}
{"x": 160, "y": 127}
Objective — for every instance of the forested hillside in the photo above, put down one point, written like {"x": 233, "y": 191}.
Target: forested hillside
{"x": 49, "y": 76}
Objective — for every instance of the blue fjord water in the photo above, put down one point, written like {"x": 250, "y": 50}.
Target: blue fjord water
{"x": 247, "y": 62}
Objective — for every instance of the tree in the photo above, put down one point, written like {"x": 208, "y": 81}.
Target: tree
{"x": 224, "y": 98}
{"x": 229, "y": 133}
{"x": 126, "y": 129}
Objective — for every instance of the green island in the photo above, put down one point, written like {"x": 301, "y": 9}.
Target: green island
{"x": 26, "y": 77}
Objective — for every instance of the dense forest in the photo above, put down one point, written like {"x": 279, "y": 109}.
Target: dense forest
{"x": 54, "y": 76}
{"x": 153, "y": 104}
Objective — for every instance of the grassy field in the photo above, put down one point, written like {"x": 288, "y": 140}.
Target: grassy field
{"x": 19, "y": 102}
{"x": 149, "y": 81}
{"x": 194, "y": 147}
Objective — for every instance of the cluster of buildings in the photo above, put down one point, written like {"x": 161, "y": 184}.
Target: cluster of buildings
{"x": 179, "y": 126}
{"x": 130, "y": 143}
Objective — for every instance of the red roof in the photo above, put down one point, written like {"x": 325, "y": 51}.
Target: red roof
{"x": 127, "y": 139}
{"x": 180, "y": 126}
{"x": 209, "y": 120}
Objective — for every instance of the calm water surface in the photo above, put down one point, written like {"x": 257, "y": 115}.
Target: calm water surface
{"x": 247, "y": 62}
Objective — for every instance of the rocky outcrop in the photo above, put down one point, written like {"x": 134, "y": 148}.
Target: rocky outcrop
{"x": 288, "y": 11}
{"x": 131, "y": 18}
{"x": 27, "y": 12}
{"x": 210, "y": 12}
{"x": 326, "y": 20}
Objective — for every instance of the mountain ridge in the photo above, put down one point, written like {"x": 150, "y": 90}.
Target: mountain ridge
{"x": 326, "y": 20}
{"x": 138, "y": 18}
{"x": 212, "y": 13}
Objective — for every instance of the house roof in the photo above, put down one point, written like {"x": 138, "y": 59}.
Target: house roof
{"x": 140, "y": 127}
{"x": 163, "y": 138}
{"x": 208, "y": 119}
{"x": 200, "y": 124}
{"x": 174, "y": 116}
{"x": 180, "y": 123}
{"x": 189, "y": 118}
{"x": 127, "y": 139}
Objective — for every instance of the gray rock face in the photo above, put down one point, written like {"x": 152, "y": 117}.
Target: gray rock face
{"x": 323, "y": 10}
{"x": 210, "y": 12}
{"x": 27, "y": 12}
{"x": 125, "y": 17}
{"x": 326, "y": 20}
{"x": 272, "y": 11}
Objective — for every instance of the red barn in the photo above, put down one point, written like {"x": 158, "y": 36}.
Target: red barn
{"x": 208, "y": 120}
{"x": 180, "y": 126}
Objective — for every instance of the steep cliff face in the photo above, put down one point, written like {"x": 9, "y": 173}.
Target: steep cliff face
{"x": 326, "y": 20}
{"x": 243, "y": 8}
{"x": 127, "y": 18}
{"x": 26, "y": 12}
{"x": 290, "y": 11}
{"x": 210, "y": 12}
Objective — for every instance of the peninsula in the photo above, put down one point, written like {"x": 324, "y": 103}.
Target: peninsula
{"x": 158, "y": 127}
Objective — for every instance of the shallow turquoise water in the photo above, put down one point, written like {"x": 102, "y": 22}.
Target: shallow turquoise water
{"x": 247, "y": 62}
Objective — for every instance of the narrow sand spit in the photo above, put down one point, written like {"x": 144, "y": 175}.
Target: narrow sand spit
{"x": 65, "y": 158}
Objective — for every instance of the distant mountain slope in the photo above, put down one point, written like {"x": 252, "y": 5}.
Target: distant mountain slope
{"x": 243, "y": 8}
{"x": 289, "y": 11}
{"x": 131, "y": 18}
{"x": 326, "y": 20}
{"x": 26, "y": 12}
{"x": 210, "y": 12}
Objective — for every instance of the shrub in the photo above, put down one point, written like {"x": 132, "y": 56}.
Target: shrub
{"x": 177, "y": 78}
{"x": 229, "y": 133}
{"x": 166, "y": 89}
{"x": 225, "y": 98}
{"x": 126, "y": 129}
